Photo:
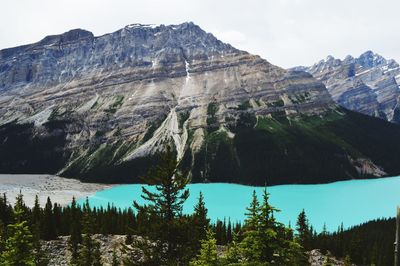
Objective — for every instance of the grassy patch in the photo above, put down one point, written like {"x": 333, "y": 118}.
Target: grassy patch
{"x": 278, "y": 103}
{"x": 244, "y": 106}
{"x": 183, "y": 116}
{"x": 113, "y": 107}
{"x": 212, "y": 121}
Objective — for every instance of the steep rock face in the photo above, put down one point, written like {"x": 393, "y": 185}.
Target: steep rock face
{"x": 369, "y": 84}
{"x": 101, "y": 108}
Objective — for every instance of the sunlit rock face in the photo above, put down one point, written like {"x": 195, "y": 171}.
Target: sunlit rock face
{"x": 369, "y": 84}
{"x": 102, "y": 108}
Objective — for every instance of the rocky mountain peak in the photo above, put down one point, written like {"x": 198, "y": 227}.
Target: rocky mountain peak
{"x": 370, "y": 59}
{"x": 369, "y": 84}
{"x": 101, "y": 108}
{"x": 69, "y": 36}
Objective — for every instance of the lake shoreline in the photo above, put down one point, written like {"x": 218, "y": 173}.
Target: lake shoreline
{"x": 59, "y": 189}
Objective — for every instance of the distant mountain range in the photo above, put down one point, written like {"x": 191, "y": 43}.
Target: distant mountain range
{"x": 102, "y": 108}
{"x": 369, "y": 84}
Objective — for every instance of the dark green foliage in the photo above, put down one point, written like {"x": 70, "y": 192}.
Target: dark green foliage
{"x": 366, "y": 244}
{"x": 113, "y": 107}
{"x": 103, "y": 164}
{"x": 304, "y": 233}
{"x": 278, "y": 103}
{"x": 40, "y": 257}
{"x": 217, "y": 150}
{"x": 6, "y": 210}
{"x": 266, "y": 241}
{"x": 169, "y": 228}
{"x": 208, "y": 251}
{"x": 273, "y": 148}
{"x": 309, "y": 149}
{"x": 18, "y": 248}
{"x": 22, "y": 150}
{"x": 75, "y": 232}
{"x": 244, "y": 106}
{"x": 183, "y": 116}
{"x": 370, "y": 243}
{"x": 200, "y": 222}
{"x": 89, "y": 253}
{"x": 234, "y": 250}
{"x": 49, "y": 226}
{"x": 212, "y": 120}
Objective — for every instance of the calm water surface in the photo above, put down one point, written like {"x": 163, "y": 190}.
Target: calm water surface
{"x": 351, "y": 202}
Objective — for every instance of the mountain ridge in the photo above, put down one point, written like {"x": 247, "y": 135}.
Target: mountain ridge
{"x": 369, "y": 84}
{"x": 102, "y": 109}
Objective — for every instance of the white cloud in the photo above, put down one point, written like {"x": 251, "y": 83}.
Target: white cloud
{"x": 230, "y": 36}
{"x": 285, "y": 32}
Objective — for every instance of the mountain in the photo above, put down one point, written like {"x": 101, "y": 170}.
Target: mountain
{"x": 102, "y": 108}
{"x": 369, "y": 84}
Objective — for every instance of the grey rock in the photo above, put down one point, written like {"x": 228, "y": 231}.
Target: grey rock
{"x": 114, "y": 87}
{"x": 369, "y": 84}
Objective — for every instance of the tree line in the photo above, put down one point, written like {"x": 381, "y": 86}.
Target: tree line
{"x": 169, "y": 237}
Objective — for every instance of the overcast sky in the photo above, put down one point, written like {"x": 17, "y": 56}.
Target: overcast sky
{"x": 285, "y": 32}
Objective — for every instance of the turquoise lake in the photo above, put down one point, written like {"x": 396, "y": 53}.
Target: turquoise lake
{"x": 351, "y": 202}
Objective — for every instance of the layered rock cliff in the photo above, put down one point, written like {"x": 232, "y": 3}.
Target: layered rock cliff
{"x": 369, "y": 84}
{"x": 102, "y": 108}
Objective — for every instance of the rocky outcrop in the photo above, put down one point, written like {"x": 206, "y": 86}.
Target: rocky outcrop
{"x": 369, "y": 84}
{"x": 317, "y": 258}
{"x": 59, "y": 255}
{"x": 101, "y": 108}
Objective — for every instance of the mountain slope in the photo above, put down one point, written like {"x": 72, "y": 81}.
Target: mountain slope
{"x": 102, "y": 108}
{"x": 369, "y": 84}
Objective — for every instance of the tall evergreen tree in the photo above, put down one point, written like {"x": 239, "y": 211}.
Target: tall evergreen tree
{"x": 303, "y": 231}
{"x": 18, "y": 250}
{"x": 270, "y": 242}
{"x": 49, "y": 227}
{"x": 40, "y": 256}
{"x": 234, "y": 251}
{"x": 165, "y": 205}
{"x": 5, "y": 213}
{"x": 250, "y": 245}
{"x": 89, "y": 254}
{"x": 200, "y": 220}
{"x": 199, "y": 225}
{"x": 75, "y": 232}
{"x": 208, "y": 253}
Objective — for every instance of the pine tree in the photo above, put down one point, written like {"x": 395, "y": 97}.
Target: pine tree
{"x": 40, "y": 256}
{"x": 5, "y": 211}
{"x": 250, "y": 245}
{"x": 303, "y": 230}
{"x": 18, "y": 250}
{"x": 229, "y": 235}
{"x": 270, "y": 242}
{"x": 49, "y": 229}
{"x": 36, "y": 212}
{"x": 165, "y": 207}
{"x": 89, "y": 254}
{"x": 200, "y": 220}
{"x": 208, "y": 253}
{"x": 3, "y": 236}
{"x": 234, "y": 251}
{"x": 75, "y": 233}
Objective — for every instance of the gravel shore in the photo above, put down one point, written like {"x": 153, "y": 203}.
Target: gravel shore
{"x": 59, "y": 189}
